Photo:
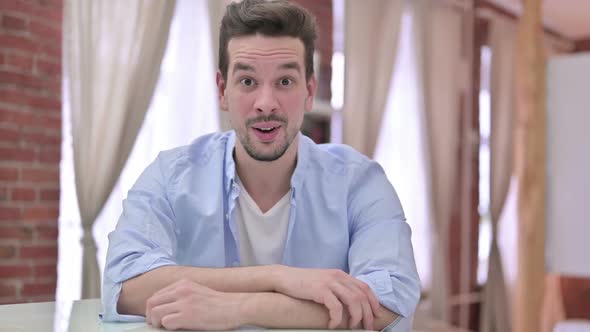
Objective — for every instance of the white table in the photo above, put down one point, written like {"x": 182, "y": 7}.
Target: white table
{"x": 40, "y": 317}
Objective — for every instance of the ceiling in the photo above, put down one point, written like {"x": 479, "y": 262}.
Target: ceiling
{"x": 570, "y": 18}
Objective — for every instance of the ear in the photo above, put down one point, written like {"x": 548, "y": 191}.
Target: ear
{"x": 311, "y": 89}
{"x": 221, "y": 91}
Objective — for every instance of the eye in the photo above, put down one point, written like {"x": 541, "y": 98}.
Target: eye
{"x": 247, "y": 82}
{"x": 285, "y": 82}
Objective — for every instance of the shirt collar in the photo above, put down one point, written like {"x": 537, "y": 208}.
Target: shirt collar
{"x": 298, "y": 174}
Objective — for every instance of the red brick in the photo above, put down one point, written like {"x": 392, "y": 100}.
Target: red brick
{"x": 8, "y": 174}
{"x": 3, "y": 196}
{"x": 38, "y": 288}
{"x": 46, "y": 103}
{"x": 52, "y": 156}
{"x": 2, "y": 58}
{"x": 53, "y": 88}
{"x": 48, "y": 68}
{"x": 16, "y": 117}
{"x": 55, "y": 3}
{"x": 47, "y": 233}
{"x": 17, "y": 154}
{"x": 10, "y": 135}
{"x": 13, "y": 23}
{"x": 52, "y": 139}
{"x": 45, "y": 32}
{"x": 7, "y": 291}
{"x": 16, "y": 42}
{"x": 41, "y": 214}
{"x": 16, "y": 233}
{"x": 9, "y": 213}
{"x": 15, "y": 271}
{"x": 33, "y": 8}
{"x": 7, "y": 251}
{"x": 20, "y": 62}
{"x": 38, "y": 251}
{"x": 40, "y": 175}
{"x": 49, "y": 121}
{"x": 32, "y": 119}
{"x": 51, "y": 50}
{"x": 51, "y": 195}
{"x": 23, "y": 194}
{"x": 20, "y": 80}
{"x": 45, "y": 270}
{"x": 16, "y": 97}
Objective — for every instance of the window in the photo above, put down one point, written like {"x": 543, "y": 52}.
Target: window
{"x": 184, "y": 106}
{"x": 401, "y": 147}
{"x": 485, "y": 119}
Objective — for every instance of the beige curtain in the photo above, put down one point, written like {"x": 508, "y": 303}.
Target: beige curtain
{"x": 371, "y": 41}
{"x": 113, "y": 50}
{"x": 216, "y": 12}
{"x": 439, "y": 32}
{"x": 502, "y": 42}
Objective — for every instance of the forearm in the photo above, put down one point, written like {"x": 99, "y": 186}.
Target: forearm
{"x": 136, "y": 291}
{"x": 275, "y": 310}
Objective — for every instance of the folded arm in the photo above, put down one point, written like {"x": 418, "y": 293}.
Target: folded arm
{"x": 279, "y": 294}
{"x": 188, "y": 305}
{"x": 136, "y": 291}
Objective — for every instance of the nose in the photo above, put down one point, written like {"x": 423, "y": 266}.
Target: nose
{"x": 266, "y": 101}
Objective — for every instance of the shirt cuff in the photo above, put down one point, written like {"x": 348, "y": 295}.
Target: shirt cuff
{"x": 400, "y": 324}
{"x": 112, "y": 288}
{"x": 382, "y": 285}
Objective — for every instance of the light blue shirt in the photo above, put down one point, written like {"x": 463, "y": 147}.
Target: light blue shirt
{"x": 344, "y": 215}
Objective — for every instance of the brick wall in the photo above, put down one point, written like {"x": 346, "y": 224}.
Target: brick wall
{"x": 30, "y": 138}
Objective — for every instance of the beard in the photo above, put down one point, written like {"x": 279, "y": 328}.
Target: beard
{"x": 256, "y": 154}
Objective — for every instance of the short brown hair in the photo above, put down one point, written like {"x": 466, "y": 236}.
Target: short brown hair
{"x": 274, "y": 18}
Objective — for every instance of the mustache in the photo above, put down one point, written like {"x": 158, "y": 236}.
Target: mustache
{"x": 266, "y": 118}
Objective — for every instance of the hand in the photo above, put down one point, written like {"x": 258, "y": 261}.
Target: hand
{"x": 188, "y": 305}
{"x": 333, "y": 289}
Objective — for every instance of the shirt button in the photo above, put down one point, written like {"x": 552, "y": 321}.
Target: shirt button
{"x": 227, "y": 216}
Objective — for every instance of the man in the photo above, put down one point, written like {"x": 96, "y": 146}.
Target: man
{"x": 259, "y": 226}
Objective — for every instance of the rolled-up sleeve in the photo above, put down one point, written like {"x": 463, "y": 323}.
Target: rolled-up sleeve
{"x": 381, "y": 251}
{"x": 144, "y": 239}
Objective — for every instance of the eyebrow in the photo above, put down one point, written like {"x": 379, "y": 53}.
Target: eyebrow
{"x": 246, "y": 67}
{"x": 291, "y": 65}
{"x": 242, "y": 66}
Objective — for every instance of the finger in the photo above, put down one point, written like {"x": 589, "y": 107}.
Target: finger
{"x": 162, "y": 311}
{"x": 375, "y": 305}
{"x": 330, "y": 301}
{"x": 351, "y": 297}
{"x": 157, "y": 300}
{"x": 368, "y": 317}
{"x": 172, "y": 321}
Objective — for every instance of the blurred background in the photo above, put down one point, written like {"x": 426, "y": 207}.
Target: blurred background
{"x": 476, "y": 109}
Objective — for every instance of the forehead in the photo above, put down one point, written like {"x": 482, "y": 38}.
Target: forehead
{"x": 259, "y": 48}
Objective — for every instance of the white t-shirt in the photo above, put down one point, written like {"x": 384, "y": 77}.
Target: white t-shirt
{"x": 261, "y": 236}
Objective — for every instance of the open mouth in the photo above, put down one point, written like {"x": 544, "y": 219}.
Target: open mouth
{"x": 266, "y": 132}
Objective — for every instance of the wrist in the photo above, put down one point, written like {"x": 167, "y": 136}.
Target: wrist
{"x": 276, "y": 277}
{"x": 248, "y": 308}
{"x": 242, "y": 308}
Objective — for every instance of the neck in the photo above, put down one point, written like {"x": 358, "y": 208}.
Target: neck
{"x": 266, "y": 182}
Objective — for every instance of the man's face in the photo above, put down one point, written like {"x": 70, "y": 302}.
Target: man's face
{"x": 266, "y": 93}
